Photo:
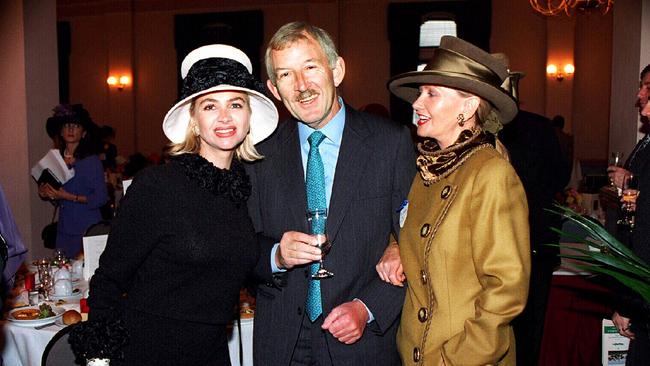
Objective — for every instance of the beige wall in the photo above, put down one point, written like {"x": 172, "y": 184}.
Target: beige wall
{"x": 28, "y": 73}
{"x": 630, "y": 46}
{"x": 114, "y": 38}
{"x": 526, "y": 52}
{"x": 591, "y": 86}
{"x": 13, "y": 121}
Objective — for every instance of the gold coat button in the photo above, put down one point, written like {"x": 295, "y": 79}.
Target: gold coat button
{"x": 424, "y": 231}
{"x": 423, "y": 315}
{"x": 445, "y": 192}
{"x": 423, "y": 277}
{"x": 416, "y": 354}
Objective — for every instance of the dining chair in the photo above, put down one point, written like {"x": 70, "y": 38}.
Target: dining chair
{"x": 58, "y": 351}
{"x": 101, "y": 228}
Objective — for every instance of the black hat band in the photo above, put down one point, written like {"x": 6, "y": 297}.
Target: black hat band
{"x": 215, "y": 71}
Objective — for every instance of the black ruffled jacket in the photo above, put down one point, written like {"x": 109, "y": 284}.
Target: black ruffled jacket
{"x": 181, "y": 245}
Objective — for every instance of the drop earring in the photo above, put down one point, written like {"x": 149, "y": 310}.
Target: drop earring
{"x": 196, "y": 131}
{"x": 460, "y": 119}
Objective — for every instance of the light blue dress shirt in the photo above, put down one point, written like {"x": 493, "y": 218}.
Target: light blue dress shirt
{"x": 329, "y": 151}
{"x": 329, "y": 148}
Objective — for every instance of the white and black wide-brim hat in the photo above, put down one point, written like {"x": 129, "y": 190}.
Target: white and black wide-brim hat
{"x": 460, "y": 65}
{"x": 219, "y": 67}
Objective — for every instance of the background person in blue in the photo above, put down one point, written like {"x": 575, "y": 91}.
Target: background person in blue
{"x": 15, "y": 247}
{"x": 81, "y": 197}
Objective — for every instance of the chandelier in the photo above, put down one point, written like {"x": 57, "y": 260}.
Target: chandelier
{"x": 554, "y": 7}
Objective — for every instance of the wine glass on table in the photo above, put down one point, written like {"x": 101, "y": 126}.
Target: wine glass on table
{"x": 45, "y": 278}
{"x": 317, "y": 220}
{"x": 629, "y": 195}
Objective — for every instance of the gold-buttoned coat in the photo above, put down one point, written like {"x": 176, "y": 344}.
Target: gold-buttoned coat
{"x": 465, "y": 250}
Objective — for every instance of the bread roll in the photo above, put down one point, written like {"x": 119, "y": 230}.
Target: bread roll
{"x": 71, "y": 317}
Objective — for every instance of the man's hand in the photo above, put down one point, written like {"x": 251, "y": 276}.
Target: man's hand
{"x": 295, "y": 249}
{"x": 347, "y": 321}
{"x": 623, "y": 325}
{"x": 617, "y": 175}
{"x": 390, "y": 267}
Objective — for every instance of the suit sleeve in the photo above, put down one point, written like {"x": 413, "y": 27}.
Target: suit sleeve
{"x": 262, "y": 271}
{"x": 500, "y": 250}
{"x": 384, "y": 300}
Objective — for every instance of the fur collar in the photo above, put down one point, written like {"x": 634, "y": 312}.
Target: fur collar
{"x": 435, "y": 164}
{"x": 233, "y": 182}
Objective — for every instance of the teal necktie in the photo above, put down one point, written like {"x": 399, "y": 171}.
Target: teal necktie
{"x": 315, "y": 186}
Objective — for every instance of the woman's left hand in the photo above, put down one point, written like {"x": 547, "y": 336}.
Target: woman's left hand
{"x": 390, "y": 267}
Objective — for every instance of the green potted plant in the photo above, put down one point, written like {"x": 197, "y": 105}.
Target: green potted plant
{"x": 612, "y": 258}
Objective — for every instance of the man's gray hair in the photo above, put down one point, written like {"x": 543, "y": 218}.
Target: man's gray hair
{"x": 296, "y": 31}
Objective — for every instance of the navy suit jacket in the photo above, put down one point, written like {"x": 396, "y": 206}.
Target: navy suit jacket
{"x": 375, "y": 167}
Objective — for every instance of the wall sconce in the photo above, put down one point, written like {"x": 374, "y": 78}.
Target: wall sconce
{"x": 552, "y": 71}
{"x": 118, "y": 82}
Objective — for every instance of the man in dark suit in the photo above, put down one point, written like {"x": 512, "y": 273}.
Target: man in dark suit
{"x": 631, "y": 315}
{"x": 368, "y": 164}
{"x": 537, "y": 157}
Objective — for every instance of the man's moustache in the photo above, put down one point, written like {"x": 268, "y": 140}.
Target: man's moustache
{"x": 306, "y": 94}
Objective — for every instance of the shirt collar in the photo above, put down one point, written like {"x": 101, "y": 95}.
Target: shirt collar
{"x": 333, "y": 130}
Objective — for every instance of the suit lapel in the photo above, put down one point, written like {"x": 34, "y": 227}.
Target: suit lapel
{"x": 291, "y": 177}
{"x": 350, "y": 165}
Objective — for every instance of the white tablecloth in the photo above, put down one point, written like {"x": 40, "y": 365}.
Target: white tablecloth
{"x": 25, "y": 346}
{"x": 247, "y": 343}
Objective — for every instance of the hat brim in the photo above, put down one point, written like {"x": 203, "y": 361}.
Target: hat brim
{"x": 405, "y": 86}
{"x": 264, "y": 115}
{"x": 54, "y": 125}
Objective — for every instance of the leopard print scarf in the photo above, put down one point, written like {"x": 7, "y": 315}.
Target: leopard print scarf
{"x": 435, "y": 164}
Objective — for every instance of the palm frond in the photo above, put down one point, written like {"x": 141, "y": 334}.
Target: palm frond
{"x": 638, "y": 286}
{"x": 612, "y": 258}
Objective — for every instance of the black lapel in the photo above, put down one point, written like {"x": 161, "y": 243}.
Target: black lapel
{"x": 291, "y": 177}
{"x": 350, "y": 168}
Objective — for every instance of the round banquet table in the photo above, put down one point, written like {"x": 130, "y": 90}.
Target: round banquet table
{"x": 23, "y": 346}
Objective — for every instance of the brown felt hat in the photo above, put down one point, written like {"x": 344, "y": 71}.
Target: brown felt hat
{"x": 460, "y": 65}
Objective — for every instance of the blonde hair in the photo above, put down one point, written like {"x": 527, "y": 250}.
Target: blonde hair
{"x": 192, "y": 143}
{"x": 484, "y": 107}
{"x": 482, "y": 112}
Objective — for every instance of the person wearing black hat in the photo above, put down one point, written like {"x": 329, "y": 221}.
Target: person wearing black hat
{"x": 182, "y": 242}
{"x": 464, "y": 242}
{"x": 80, "y": 198}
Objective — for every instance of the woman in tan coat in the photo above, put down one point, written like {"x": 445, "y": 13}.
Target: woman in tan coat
{"x": 464, "y": 242}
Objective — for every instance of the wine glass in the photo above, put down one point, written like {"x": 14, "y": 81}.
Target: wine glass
{"x": 629, "y": 194}
{"x": 317, "y": 220}
{"x": 45, "y": 276}
{"x": 616, "y": 159}
{"x": 58, "y": 257}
